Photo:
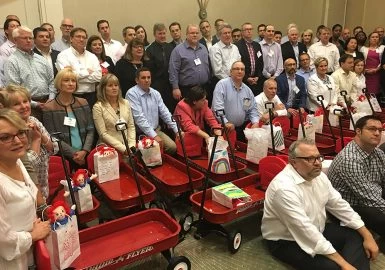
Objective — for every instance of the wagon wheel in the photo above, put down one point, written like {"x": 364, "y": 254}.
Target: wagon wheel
{"x": 186, "y": 223}
{"x": 179, "y": 263}
{"x": 234, "y": 241}
{"x": 157, "y": 204}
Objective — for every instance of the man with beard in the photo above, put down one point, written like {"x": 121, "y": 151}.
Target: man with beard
{"x": 291, "y": 88}
{"x": 294, "y": 217}
{"x": 357, "y": 172}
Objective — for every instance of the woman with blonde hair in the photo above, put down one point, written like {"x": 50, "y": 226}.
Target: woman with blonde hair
{"x": 109, "y": 109}
{"x": 71, "y": 116}
{"x": 19, "y": 227}
{"x": 40, "y": 147}
{"x": 307, "y": 37}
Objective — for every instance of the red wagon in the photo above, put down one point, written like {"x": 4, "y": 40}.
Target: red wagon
{"x": 127, "y": 239}
{"x": 212, "y": 214}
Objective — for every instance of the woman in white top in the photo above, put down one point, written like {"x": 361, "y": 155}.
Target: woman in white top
{"x": 360, "y": 82}
{"x": 321, "y": 84}
{"x": 19, "y": 227}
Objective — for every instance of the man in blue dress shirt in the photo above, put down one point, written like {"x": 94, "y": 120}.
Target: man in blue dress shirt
{"x": 147, "y": 107}
{"x": 237, "y": 100}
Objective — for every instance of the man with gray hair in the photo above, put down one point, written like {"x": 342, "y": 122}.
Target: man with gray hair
{"x": 189, "y": 64}
{"x": 26, "y": 68}
{"x": 224, "y": 53}
{"x": 64, "y": 43}
{"x": 292, "y": 48}
{"x": 294, "y": 217}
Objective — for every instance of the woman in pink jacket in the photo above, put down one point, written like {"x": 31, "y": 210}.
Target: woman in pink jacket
{"x": 194, "y": 113}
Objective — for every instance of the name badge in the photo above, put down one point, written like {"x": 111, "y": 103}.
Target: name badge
{"x": 246, "y": 103}
{"x": 105, "y": 64}
{"x": 296, "y": 90}
{"x": 197, "y": 61}
{"x": 259, "y": 54}
{"x": 69, "y": 121}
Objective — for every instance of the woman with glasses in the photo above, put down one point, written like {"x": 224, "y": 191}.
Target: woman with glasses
{"x": 18, "y": 98}
{"x": 108, "y": 110}
{"x": 95, "y": 46}
{"x": 19, "y": 228}
{"x": 71, "y": 116}
{"x": 321, "y": 84}
{"x": 133, "y": 59}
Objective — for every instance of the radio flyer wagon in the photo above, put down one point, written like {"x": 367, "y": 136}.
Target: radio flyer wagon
{"x": 122, "y": 241}
{"x": 212, "y": 214}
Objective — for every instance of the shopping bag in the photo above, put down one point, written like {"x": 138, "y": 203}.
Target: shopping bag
{"x": 279, "y": 141}
{"x": 221, "y": 162}
{"x": 192, "y": 143}
{"x": 355, "y": 117}
{"x": 106, "y": 163}
{"x": 229, "y": 195}
{"x": 83, "y": 197}
{"x": 257, "y": 144}
{"x": 63, "y": 242}
{"x": 309, "y": 131}
{"x": 317, "y": 120}
{"x": 150, "y": 150}
{"x": 376, "y": 106}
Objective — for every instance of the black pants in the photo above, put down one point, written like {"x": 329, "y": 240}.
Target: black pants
{"x": 374, "y": 218}
{"x": 347, "y": 242}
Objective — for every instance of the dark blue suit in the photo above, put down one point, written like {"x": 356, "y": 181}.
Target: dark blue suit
{"x": 283, "y": 91}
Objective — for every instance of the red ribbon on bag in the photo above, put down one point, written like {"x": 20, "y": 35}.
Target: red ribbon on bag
{"x": 147, "y": 142}
{"x": 106, "y": 151}
{"x": 319, "y": 112}
{"x": 361, "y": 98}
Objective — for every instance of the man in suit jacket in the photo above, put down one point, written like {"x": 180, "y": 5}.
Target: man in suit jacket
{"x": 292, "y": 48}
{"x": 291, "y": 88}
{"x": 42, "y": 42}
{"x": 207, "y": 39}
{"x": 251, "y": 56}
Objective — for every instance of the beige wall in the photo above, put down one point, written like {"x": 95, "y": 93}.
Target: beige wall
{"x": 120, "y": 13}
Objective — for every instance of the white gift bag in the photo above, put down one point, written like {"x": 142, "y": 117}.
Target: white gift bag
{"x": 106, "y": 164}
{"x": 83, "y": 197}
{"x": 279, "y": 141}
{"x": 376, "y": 106}
{"x": 309, "y": 131}
{"x": 150, "y": 150}
{"x": 63, "y": 244}
{"x": 317, "y": 121}
{"x": 221, "y": 162}
{"x": 355, "y": 117}
{"x": 257, "y": 144}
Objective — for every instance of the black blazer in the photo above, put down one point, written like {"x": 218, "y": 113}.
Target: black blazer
{"x": 54, "y": 54}
{"x": 288, "y": 51}
{"x": 203, "y": 42}
{"x": 245, "y": 57}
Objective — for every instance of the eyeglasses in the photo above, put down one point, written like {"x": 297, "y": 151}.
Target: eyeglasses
{"x": 67, "y": 26}
{"x": 374, "y": 129}
{"x": 312, "y": 160}
{"x": 8, "y": 138}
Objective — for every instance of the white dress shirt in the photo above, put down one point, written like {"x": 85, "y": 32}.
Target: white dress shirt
{"x": 222, "y": 57}
{"x": 329, "y": 51}
{"x": 80, "y": 64}
{"x": 112, "y": 47}
{"x": 295, "y": 210}
{"x": 261, "y": 100}
{"x": 344, "y": 81}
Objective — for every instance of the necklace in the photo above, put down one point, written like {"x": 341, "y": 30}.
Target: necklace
{"x": 66, "y": 104}
{"x": 137, "y": 65}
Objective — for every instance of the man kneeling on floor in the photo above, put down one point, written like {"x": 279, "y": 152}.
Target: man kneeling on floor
{"x": 294, "y": 219}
